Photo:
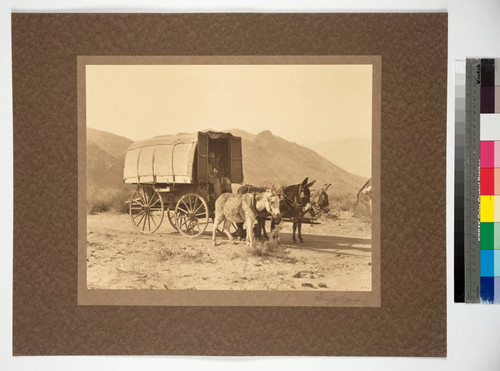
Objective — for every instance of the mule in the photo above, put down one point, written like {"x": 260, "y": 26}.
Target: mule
{"x": 295, "y": 202}
{"x": 237, "y": 208}
{"x": 319, "y": 201}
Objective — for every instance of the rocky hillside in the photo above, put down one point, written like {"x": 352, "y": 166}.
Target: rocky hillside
{"x": 351, "y": 154}
{"x": 105, "y": 159}
{"x": 269, "y": 159}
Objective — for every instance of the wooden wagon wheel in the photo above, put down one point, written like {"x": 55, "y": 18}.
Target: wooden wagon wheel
{"x": 191, "y": 215}
{"x": 146, "y": 209}
{"x": 171, "y": 218}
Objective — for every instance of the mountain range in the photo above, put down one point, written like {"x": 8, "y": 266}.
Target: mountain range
{"x": 267, "y": 159}
{"x": 351, "y": 154}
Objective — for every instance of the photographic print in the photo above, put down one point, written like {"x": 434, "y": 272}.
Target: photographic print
{"x": 247, "y": 180}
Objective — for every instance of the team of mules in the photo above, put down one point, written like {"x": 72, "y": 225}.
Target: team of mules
{"x": 253, "y": 203}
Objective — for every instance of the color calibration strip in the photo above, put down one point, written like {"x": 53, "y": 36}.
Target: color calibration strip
{"x": 490, "y": 182}
{"x": 477, "y": 181}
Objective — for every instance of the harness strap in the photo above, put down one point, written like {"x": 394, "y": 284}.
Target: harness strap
{"x": 253, "y": 204}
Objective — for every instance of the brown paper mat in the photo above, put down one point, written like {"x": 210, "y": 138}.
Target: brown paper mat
{"x": 412, "y": 318}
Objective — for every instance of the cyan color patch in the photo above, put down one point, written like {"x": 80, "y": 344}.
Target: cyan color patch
{"x": 487, "y": 263}
{"x": 496, "y": 265}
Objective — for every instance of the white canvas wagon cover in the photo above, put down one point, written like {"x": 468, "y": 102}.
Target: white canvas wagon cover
{"x": 171, "y": 158}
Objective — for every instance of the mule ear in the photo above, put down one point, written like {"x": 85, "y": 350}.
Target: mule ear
{"x": 310, "y": 184}
{"x": 304, "y": 182}
{"x": 327, "y": 186}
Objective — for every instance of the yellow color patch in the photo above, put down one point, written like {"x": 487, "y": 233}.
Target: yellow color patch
{"x": 487, "y": 209}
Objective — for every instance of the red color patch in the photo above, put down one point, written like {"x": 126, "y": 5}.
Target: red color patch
{"x": 487, "y": 181}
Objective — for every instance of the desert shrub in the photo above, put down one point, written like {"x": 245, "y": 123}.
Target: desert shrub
{"x": 272, "y": 249}
{"x": 105, "y": 200}
{"x": 165, "y": 254}
{"x": 120, "y": 201}
{"x": 96, "y": 204}
{"x": 343, "y": 203}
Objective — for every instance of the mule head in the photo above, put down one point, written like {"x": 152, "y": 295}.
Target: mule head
{"x": 305, "y": 194}
{"x": 323, "y": 203}
{"x": 272, "y": 203}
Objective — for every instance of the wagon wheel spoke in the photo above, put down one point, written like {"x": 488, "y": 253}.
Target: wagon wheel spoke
{"x": 183, "y": 210}
{"x": 198, "y": 208}
{"x": 142, "y": 195}
{"x": 188, "y": 209}
{"x": 136, "y": 215}
{"x": 153, "y": 219}
{"x": 143, "y": 222}
{"x": 154, "y": 203}
{"x": 183, "y": 223}
{"x": 140, "y": 220}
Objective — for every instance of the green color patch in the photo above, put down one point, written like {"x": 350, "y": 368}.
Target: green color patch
{"x": 496, "y": 243}
{"x": 488, "y": 236}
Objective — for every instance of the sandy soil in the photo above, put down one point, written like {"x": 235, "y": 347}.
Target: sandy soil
{"x": 336, "y": 256}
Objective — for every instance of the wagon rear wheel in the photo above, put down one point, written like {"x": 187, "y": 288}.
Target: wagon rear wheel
{"x": 146, "y": 209}
{"x": 191, "y": 215}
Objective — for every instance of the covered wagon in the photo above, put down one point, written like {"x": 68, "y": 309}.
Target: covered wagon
{"x": 171, "y": 174}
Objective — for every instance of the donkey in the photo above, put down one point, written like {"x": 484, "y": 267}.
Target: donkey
{"x": 243, "y": 208}
{"x": 261, "y": 218}
{"x": 295, "y": 202}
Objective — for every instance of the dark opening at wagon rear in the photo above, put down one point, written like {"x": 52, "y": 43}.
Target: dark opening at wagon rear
{"x": 172, "y": 174}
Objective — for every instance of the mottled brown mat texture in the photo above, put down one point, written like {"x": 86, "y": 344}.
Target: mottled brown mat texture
{"x": 412, "y": 318}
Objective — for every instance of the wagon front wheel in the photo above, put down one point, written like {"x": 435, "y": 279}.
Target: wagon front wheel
{"x": 191, "y": 215}
{"x": 146, "y": 210}
{"x": 171, "y": 218}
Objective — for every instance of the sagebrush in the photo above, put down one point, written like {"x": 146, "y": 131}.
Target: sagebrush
{"x": 106, "y": 200}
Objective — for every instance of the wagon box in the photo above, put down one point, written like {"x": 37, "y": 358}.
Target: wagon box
{"x": 183, "y": 158}
{"x": 172, "y": 174}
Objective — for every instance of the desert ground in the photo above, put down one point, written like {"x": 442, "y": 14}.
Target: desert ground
{"x": 335, "y": 256}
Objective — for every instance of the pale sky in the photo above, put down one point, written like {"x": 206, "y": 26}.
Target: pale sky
{"x": 301, "y": 103}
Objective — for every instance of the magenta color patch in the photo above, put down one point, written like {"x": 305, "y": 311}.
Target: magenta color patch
{"x": 497, "y": 153}
{"x": 487, "y": 154}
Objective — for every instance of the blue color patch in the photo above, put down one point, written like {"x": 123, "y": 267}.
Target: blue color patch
{"x": 487, "y": 263}
{"x": 497, "y": 290}
{"x": 487, "y": 289}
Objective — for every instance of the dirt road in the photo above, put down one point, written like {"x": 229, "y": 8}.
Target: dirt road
{"x": 336, "y": 256}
